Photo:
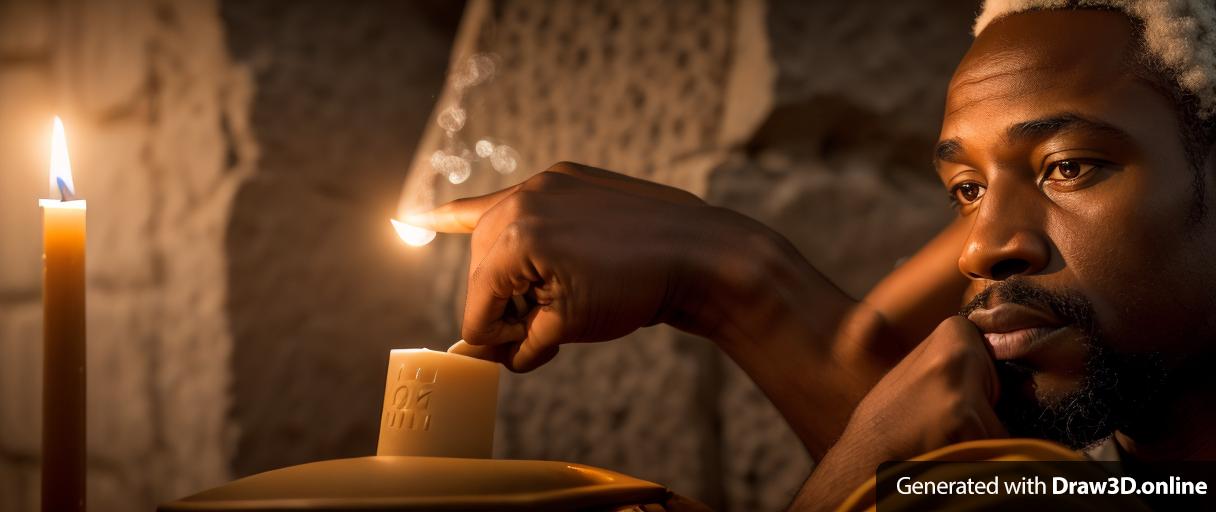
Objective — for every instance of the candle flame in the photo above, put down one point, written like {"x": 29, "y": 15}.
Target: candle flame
{"x": 411, "y": 234}
{"x": 61, "y": 166}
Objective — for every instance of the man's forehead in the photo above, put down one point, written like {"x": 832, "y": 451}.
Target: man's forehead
{"x": 1038, "y": 62}
{"x": 1061, "y": 37}
{"x": 1005, "y": 77}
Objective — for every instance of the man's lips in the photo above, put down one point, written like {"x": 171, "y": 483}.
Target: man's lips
{"x": 1020, "y": 343}
{"x": 1013, "y": 330}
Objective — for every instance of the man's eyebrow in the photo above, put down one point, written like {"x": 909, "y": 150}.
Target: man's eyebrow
{"x": 948, "y": 150}
{"x": 1046, "y": 126}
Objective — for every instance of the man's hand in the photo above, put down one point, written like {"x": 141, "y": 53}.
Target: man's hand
{"x": 942, "y": 393}
{"x": 599, "y": 255}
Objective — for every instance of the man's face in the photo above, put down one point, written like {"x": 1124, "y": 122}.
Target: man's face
{"x": 1088, "y": 250}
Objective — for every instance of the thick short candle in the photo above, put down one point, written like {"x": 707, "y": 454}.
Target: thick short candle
{"x": 63, "y": 375}
{"x": 438, "y": 404}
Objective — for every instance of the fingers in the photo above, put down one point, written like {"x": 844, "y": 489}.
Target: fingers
{"x": 544, "y": 336}
{"x": 495, "y": 353}
{"x": 985, "y": 365}
{"x": 539, "y": 347}
{"x": 461, "y": 215}
{"x": 504, "y": 272}
{"x": 960, "y": 354}
{"x": 507, "y": 355}
{"x": 541, "y": 344}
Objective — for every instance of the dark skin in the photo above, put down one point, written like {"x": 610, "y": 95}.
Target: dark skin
{"x": 1094, "y": 200}
{"x": 1070, "y": 173}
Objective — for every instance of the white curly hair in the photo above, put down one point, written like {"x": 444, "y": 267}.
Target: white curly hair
{"x": 1180, "y": 34}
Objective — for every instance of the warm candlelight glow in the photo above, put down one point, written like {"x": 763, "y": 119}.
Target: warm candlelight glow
{"x": 413, "y": 235}
{"x": 61, "y": 166}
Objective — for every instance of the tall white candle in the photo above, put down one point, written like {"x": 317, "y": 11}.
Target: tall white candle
{"x": 63, "y": 337}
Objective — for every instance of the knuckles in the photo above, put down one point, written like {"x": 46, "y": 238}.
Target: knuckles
{"x": 936, "y": 395}
{"x": 555, "y": 177}
{"x": 565, "y": 167}
{"x": 523, "y": 203}
{"x": 522, "y": 236}
{"x": 955, "y": 328}
{"x": 955, "y": 344}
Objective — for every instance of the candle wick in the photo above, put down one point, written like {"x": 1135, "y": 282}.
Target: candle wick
{"x": 65, "y": 192}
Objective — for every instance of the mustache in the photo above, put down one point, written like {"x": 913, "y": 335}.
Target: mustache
{"x": 1070, "y": 307}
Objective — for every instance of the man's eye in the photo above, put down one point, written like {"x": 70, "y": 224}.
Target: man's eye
{"x": 1067, "y": 170}
{"x": 967, "y": 192}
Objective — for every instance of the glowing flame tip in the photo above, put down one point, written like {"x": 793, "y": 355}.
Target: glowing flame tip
{"x": 61, "y": 166}
{"x": 411, "y": 234}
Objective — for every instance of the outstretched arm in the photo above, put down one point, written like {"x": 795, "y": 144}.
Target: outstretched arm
{"x": 600, "y": 254}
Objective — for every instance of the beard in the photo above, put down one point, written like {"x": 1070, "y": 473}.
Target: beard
{"x": 1116, "y": 391}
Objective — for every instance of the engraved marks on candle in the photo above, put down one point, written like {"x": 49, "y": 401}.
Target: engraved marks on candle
{"x": 411, "y": 399}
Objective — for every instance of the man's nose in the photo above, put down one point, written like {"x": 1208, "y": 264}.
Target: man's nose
{"x": 1006, "y": 240}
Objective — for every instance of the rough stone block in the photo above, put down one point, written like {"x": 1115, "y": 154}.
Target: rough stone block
{"x": 894, "y": 58}
{"x": 632, "y": 87}
{"x": 21, "y": 378}
{"x": 105, "y": 61}
{"x": 122, "y": 329}
{"x": 111, "y": 169}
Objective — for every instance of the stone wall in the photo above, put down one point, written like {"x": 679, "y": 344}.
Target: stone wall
{"x": 156, "y": 119}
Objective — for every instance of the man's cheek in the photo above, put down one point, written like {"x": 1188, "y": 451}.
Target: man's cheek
{"x": 1112, "y": 269}
{"x": 1134, "y": 311}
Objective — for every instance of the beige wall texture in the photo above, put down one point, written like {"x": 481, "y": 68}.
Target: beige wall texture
{"x": 241, "y": 159}
{"x": 157, "y": 124}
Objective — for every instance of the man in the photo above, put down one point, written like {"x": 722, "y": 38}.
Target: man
{"x": 1077, "y": 146}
